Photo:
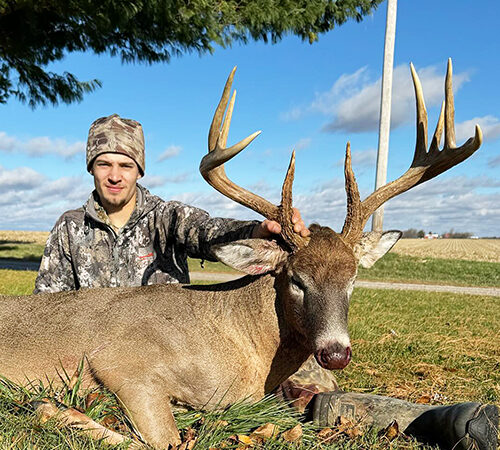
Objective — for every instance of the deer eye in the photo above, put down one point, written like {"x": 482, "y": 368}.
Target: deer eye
{"x": 297, "y": 283}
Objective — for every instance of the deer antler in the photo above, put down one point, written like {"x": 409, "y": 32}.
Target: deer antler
{"x": 212, "y": 169}
{"x": 425, "y": 164}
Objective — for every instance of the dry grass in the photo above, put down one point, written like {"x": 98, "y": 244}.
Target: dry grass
{"x": 32, "y": 237}
{"x": 487, "y": 250}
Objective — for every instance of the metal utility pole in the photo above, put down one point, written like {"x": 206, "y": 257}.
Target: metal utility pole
{"x": 385, "y": 109}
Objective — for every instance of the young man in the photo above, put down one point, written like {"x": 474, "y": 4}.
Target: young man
{"x": 124, "y": 235}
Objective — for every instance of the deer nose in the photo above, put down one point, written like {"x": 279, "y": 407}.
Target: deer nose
{"x": 335, "y": 356}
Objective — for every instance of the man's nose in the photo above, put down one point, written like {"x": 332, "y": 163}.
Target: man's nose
{"x": 114, "y": 174}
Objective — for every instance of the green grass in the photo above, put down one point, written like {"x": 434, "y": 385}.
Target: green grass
{"x": 26, "y": 251}
{"x": 22, "y": 429}
{"x": 197, "y": 265}
{"x": 409, "y": 344}
{"x": 17, "y": 282}
{"x": 394, "y": 267}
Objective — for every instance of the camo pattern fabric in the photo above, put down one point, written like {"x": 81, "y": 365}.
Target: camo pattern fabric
{"x": 84, "y": 251}
{"x": 311, "y": 373}
{"x": 113, "y": 134}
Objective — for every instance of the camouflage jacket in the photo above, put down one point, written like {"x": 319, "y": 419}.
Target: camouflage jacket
{"x": 84, "y": 251}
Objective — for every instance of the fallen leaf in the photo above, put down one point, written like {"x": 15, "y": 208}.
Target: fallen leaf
{"x": 390, "y": 432}
{"x": 327, "y": 435}
{"x": 187, "y": 445}
{"x": 220, "y": 424}
{"x": 69, "y": 416}
{"x": 293, "y": 434}
{"x": 244, "y": 439}
{"x": 424, "y": 399}
{"x": 110, "y": 421}
{"x": 348, "y": 427}
{"x": 92, "y": 397}
{"x": 189, "y": 434}
{"x": 266, "y": 431}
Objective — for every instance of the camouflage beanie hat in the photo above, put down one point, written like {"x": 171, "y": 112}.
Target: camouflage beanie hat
{"x": 113, "y": 134}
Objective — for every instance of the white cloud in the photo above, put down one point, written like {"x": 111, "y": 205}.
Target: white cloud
{"x": 7, "y": 143}
{"x": 490, "y": 126}
{"x": 179, "y": 178}
{"x": 438, "y": 205}
{"x": 494, "y": 162}
{"x": 303, "y": 143}
{"x": 361, "y": 158}
{"x": 152, "y": 181}
{"x": 31, "y": 201}
{"x": 19, "y": 179}
{"x": 353, "y": 102}
{"x": 40, "y": 146}
{"x": 170, "y": 152}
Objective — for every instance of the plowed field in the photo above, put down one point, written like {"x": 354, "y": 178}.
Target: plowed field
{"x": 32, "y": 237}
{"x": 468, "y": 249}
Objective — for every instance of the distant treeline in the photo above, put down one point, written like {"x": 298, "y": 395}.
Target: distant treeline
{"x": 413, "y": 233}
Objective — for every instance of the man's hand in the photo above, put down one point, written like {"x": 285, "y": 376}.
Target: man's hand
{"x": 268, "y": 228}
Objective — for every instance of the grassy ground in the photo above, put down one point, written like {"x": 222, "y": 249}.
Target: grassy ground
{"x": 427, "y": 347}
{"x": 17, "y": 282}
{"x": 395, "y": 267}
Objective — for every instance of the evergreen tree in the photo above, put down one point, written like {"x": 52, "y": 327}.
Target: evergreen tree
{"x": 34, "y": 33}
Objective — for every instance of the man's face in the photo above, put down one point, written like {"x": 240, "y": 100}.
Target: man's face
{"x": 115, "y": 177}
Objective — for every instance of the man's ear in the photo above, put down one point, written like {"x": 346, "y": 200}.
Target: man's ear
{"x": 373, "y": 245}
{"x": 252, "y": 256}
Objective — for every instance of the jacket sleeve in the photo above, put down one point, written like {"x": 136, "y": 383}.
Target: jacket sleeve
{"x": 56, "y": 269}
{"x": 198, "y": 232}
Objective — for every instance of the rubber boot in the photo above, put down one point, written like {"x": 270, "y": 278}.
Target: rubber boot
{"x": 458, "y": 427}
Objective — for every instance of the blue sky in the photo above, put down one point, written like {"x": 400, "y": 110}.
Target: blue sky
{"x": 313, "y": 98}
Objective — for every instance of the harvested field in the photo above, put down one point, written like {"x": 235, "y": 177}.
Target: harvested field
{"x": 467, "y": 249}
{"x": 32, "y": 237}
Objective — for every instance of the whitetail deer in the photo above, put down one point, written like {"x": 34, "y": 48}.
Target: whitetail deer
{"x": 208, "y": 346}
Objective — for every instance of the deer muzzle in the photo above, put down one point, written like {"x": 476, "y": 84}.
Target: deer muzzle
{"x": 334, "y": 356}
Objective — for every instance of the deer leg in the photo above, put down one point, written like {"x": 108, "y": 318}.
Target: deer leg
{"x": 145, "y": 401}
{"x": 150, "y": 413}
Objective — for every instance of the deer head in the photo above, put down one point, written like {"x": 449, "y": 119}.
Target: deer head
{"x": 315, "y": 275}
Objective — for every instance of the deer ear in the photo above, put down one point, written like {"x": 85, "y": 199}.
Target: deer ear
{"x": 374, "y": 245}
{"x": 252, "y": 256}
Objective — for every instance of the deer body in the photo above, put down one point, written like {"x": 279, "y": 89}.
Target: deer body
{"x": 203, "y": 346}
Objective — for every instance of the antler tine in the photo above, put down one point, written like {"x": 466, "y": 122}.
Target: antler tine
{"x": 212, "y": 169}
{"x": 449, "y": 109}
{"x": 425, "y": 164}
{"x": 293, "y": 239}
{"x": 352, "y": 229}
{"x": 436, "y": 139}
{"x": 214, "y": 132}
{"x": 421, "y": 141}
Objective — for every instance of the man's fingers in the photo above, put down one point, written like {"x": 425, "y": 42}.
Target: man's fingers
{"x": 273, "y": 227}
